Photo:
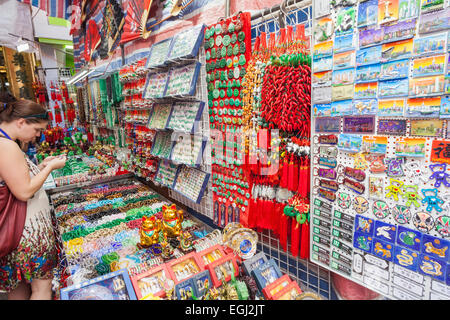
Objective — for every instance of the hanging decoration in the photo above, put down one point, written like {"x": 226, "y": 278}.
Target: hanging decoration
{"x": 137, "y": 14}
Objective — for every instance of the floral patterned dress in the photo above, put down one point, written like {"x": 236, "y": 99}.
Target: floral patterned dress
{"x": 36, "y": 255}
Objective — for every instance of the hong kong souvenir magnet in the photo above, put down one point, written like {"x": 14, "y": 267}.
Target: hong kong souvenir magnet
{"x": 406, "y": 258}
{"x": 435, "y": 247}
{"x": 409, "y": 238}
{"x": 423, "y": 221}
{"x": 385, "y": 231}
{"x": 363, "y": 241}
{"x": 380, "y": 209}
{"x": 359, "y": 124}
{"x": 430, "y": 266}
{"x": 327, "y": 124}
{"x": 383, "y": 249}
{"x": 364, "y": 224}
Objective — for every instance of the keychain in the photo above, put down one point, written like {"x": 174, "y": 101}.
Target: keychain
{"x": 326, "y": 139}
{"x": 326, "y": 151}
{"x": 411, "y": 196}
{"x": 414, "y": 171}
{"x": 356, "y": 174}
{"x": 357, "y": 187}
{"x": 394, "y": 167}
{"x": 377, "y": 165}
{"x": 327, "y": 184}
{"x": 329, "y": 195}
{"x": 325, "y": 173}
{"x": 395, "y": 189}
{"x": 439, "y": 174}
{"x": 432, "y": 201}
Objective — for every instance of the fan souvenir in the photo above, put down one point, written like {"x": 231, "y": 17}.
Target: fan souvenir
{"x": 135, "y": 26}
{"x": 171, "y": 8}
{"x": 112, "y": 27}
{"x": 92, "y": 40}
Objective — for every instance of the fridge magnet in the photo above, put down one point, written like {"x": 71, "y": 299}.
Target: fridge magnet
{"x": 343, "y": 77}
{"x": 381, "y": 210}
{"x": 410, "y": 147}
{"x": 368, "y": 55}
{"x": 409, "y": 238}
{"x": 363, "y": 241}
{"x": 366, "y": 90}
{"x": 344, "y": 60}
{"x": 327, "y": 124}
{"x": 391, "y": 107}
{"x": 435, "y": 247}
{"x": 394, "y": 69}
{"x": 440, "y": 151}
{"x": 447, "y": 85}
{"x": 324, "y": 29}
{"x": 349, "y": 143}
{"x": 399, "y": 31}
{"x": 383, "y": 230}
{"x": 383, "y": 250}
{"x": 434, "y": 268}
{"x": 345, "y": 21}
{"x": 397, "y": 50}
{"x": 427, "y": 128}
{"x": 443, "y": 226}
{"x": 430, "y": 5}
{"x": 406, "y": 258}
{"x": 365, "y": 106}
{"x": 434, "y": 21}
{"x": 321, "y": 8}
{"x": 344, "y": 43}
{"x": 393, "y": 88}
{"x": 342, "y": 92}
{"x": 321, "y": 95}
{"x": 368, "y": 73}
{"x": 370, "y": 37}
{"x": 430, "y": 45}
{"x": 374, "y": 144}
{"x": 420, "y": 87}
{"x": 321, "y": 79}
{"x": 391, "y": 127}
{"x": 423, "y": 221}
{"x": 376, "y": 187}
{"x": 322, "y": 49}
{"x": 342, "y": 108}
{"x": 323, "y": 64}
{"x": 423, "y": 107}
{"x": 359, "y": 124}
{"x": 408, "y": 9}
{"x": 367, "y": 13}
{"x": 428, "y": 66}
{"x": 445, "y": 108}
{"x": 321, "y": 110}
{"x": 387, "y": 11}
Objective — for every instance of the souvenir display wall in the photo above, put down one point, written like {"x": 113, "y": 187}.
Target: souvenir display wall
{"x": 276, "y": 105}
{"x": 228, "y": 48}
{"x": 379, "y": 198}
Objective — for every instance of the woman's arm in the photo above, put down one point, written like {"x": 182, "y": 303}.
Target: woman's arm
{"x": 14, "y": 171}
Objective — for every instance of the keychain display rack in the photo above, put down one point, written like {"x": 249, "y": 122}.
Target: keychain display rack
{"x": 379, "y": 211}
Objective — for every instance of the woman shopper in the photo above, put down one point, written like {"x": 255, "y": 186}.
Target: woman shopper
{"x": 27, "y": 271}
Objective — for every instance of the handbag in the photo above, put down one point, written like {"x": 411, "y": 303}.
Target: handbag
{"x": 12, "y": 220}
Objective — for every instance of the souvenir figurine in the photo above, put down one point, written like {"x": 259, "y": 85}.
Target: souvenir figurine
{"x": 149, "y": 232}
{"x": 171, "y": 221}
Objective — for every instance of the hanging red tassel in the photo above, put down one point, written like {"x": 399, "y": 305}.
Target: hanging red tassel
{"x": 283, "y": 229}
{"x": 295, "y": 237}
{"x": 295, "y": 174}
{"x": 304, "y": 246}
{"x": 284, "y": 174}
{"x": 290, "y": 170}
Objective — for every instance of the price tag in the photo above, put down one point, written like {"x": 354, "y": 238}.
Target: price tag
{"x": 342, "y": 235}
{"x": 340, "y": 267}
{"x": 320, "y": 250}
{"x": 342, "y": 225}
{"x": 338, "y": 244}
{"x": 321, "y": 240}
{"x": 344, "y": 216}
{"x": 322, "y": 223}
{"x": 336, "y": 255}
{"x": 321, "y": 213}
{"x": 322, "y": 204}
{"x": 323, "y": 232}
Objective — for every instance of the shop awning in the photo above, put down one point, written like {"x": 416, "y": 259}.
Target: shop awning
{"x": 54, "y": 8}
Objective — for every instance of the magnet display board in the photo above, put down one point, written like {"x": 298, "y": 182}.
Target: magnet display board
{"x": 380, "y": 203}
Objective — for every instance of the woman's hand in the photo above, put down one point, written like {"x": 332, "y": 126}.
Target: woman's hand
{"x": 57, "y": 162}
{"x": 46, "y": 161}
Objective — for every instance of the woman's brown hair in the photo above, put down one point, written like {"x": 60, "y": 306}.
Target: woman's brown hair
{"x": 12, "y": 109}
